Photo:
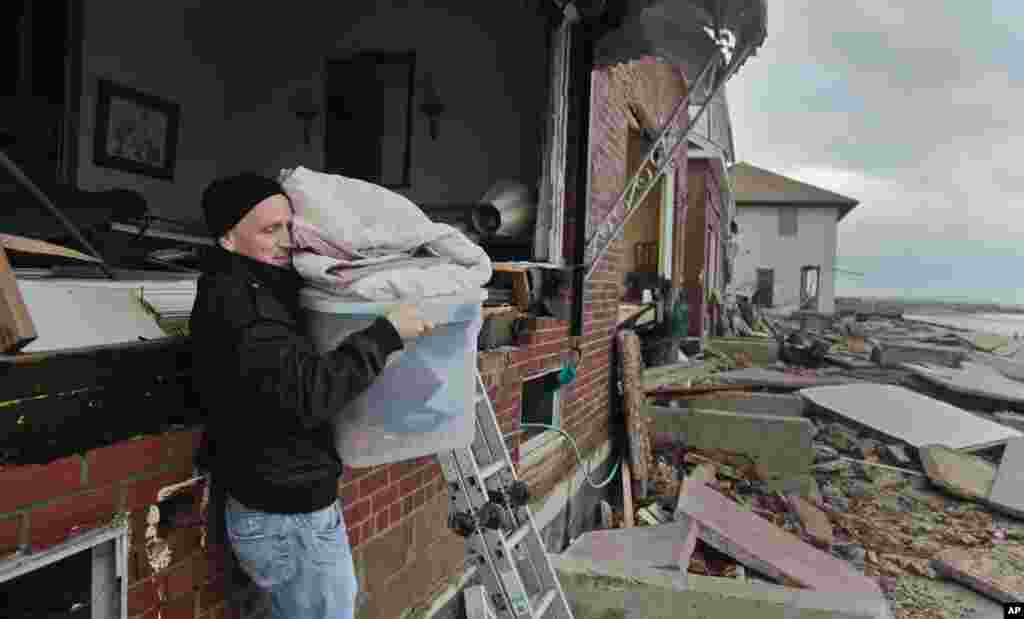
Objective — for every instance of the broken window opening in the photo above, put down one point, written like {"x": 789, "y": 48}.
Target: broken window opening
{"x": 809, "y": 286}
{"x": 540, "y": 404}
{"x": 90, "y": 571}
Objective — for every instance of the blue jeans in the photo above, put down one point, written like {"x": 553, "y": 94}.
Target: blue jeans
{"x": 303, "y": 560}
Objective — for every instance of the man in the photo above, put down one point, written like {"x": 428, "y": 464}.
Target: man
{"x": 268, "y": 398}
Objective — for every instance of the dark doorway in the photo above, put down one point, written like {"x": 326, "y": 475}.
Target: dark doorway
{"x": 765, "y": 286}
{"x": 369, "y": 103}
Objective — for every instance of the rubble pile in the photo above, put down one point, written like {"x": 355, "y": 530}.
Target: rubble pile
{"x": 938, "y": 528}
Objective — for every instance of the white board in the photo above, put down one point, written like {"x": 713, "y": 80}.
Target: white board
{"x": 909, "y": 416}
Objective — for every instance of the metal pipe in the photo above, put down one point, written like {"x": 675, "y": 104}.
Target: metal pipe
{"x": 26, "y": 182}
{"x": 583, "y": 54}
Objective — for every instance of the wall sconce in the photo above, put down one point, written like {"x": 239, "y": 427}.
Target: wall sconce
{"x": 304, "y": 106}
{"x": 431, "y": 107}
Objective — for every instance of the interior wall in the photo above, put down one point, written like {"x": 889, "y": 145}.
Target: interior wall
{"x": 148, "y": 47}
{"x": 489, "y": 67}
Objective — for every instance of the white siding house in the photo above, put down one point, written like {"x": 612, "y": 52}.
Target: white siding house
{"x": 788, "y": 232}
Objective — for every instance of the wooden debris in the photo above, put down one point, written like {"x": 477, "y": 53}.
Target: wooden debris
{"x": 633, "y": 400}
{"x": 607, "y": 515}
{"x": 683, "y": 392}
{"x": 34, "y": 246}
{"x": 815, "y": 522}
{"x": 16, "y": 327}
{"x": 627, "y": 497}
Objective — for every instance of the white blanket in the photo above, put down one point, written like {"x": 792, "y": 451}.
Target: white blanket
{"x": 375, "y": 221}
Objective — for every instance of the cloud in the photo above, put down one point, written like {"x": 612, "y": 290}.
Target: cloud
{"x": 911, "y": 109}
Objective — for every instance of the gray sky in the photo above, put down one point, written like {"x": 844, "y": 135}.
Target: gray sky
{"x": 917, "y": 111}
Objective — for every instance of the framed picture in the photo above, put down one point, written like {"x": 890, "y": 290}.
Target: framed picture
{"x": 135, "y": 132}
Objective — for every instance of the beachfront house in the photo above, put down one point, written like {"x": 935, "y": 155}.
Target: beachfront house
{"x": 789, "y": 233}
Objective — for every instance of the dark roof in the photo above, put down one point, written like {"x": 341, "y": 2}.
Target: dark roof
{"x": 753, "y": 186}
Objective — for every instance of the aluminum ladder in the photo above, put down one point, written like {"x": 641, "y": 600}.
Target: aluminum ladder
{"x": 489, "y": 509}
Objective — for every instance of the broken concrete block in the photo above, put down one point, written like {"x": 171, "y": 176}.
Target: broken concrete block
{"x": 997, "y": 572}
{"x": 892, "y": 354}
{"x": 780, "y": 446}
{"x": 768, "y": 549}
{"x": 1007, "y": 494}
{"x": 657, "y": 547}
{"x": 601, "y": 590}
{"x": 962, "y": 475}
{"x": 748, "y": 402}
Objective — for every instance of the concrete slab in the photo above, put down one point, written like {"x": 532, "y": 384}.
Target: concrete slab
{"x": 1015, "y": 420}
{"x": 960, "y": 474}
{"x": 761, "y": 377}
{"x": 909, "y": 416}
{"x": 971, "y": 379}
{"x": 780, "y": 445}
{"x": 1008, "y": 367}
{"x": 1008, "y": 490}
{"x": 658, "y": 547}
{"x": 891, "y": 354}
{"x": 609, "y": 590}
{"x": 768, "y": 549}
{"x": 850, "y": 361}
{"x": 676, "y": 374}
{"x": 997, "y": 572}
{"x": 747, "y": 402}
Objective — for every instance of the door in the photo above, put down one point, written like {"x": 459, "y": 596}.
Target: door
{"x": 765, "y": 286}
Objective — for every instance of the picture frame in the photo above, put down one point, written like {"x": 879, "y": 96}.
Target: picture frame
{"x": 135, "y": 131}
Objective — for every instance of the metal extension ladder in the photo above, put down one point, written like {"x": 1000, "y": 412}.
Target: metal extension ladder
{"x": 489, "y": 509}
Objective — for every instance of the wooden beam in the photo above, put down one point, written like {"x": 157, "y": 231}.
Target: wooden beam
{"x": 627, "y": 497}
{"x": 16, "y": 327}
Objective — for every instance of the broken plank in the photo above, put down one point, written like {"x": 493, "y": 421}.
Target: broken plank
{"x": 702, "y": 474}
{"x": 34, "y": 246}
{"x": 627, "y": 497}
{"x": 16, "y": 327}
{"x": 683, "y": 392}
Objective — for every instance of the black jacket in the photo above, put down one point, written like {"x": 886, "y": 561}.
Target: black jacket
{"x": 266, "y": 394}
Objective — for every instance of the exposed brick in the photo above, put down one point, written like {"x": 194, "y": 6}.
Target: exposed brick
{"x": 23, "y": 485}
{"x": 357, "y": 512}
{"x": 10, "y": 534}
{"x": 383, "y": 520}
{"x": 420, "y": 498}
{"x": 182, "y": 448}
{"x": 374, "y": 482}
{"x": 409, "y": 485}
{"x": 142, "y": 596}
{"x": 53, "y": 522}
{"x": 385, "y": 498}
{"x": 123, "y": 459}
{"x": 187, "y": 575}
{"x": 396, "y": 512}
{"x": 141, "y": 493}
{"x": 183, "y": 607}
{"x": 213, "y": 593}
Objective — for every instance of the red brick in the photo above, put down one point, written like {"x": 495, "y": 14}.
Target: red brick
{"x": 407, "y": 505}
{"x": 53, "y": 522}
{"x": 213, "y": 593}
{"x": 124, "y": 459}
{"x": 354, "y": 535}
{"x": 420, "y": 498}
{"x": 183, "y": 607}
{"x": 383, "y": 520}
{"x": 10, "y": 534}
{"x": 183, "y": 446}
{"x": 384, "y": 498}
{"x": 368, "y": 530}
{"x": 396, "y": 512}
{"x": 32, "y": 483}
{"x": 402, "y": 469}
{"x": 372, "y": 483}
{"x": 188, "y": 575}
{"x": 141, "y": 493}
{"x": 358, "y": 512}
{"x": 409, "y": 484}
{"x": 142, "y": 596}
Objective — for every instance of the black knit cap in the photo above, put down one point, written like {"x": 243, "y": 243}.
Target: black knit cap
{"x": 227, "y": 200}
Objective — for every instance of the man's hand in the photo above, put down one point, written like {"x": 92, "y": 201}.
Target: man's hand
{"x": 409, "y": 323}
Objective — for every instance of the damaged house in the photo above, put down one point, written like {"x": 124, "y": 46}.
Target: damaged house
{"x": 540, "y": 128}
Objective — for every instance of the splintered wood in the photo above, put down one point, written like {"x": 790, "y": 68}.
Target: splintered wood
{"x": 16, "y": 327}
{"x": 633, "y": 406}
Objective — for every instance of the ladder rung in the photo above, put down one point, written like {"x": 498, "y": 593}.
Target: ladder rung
{"x": 544, "y": 603}
{"x": 492, "y": 469}
{"x": 516, "y": 538}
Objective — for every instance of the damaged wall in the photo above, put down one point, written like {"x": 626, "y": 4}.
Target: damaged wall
{"x": 763, "y": 248}
{"x": 703, "y": 228}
